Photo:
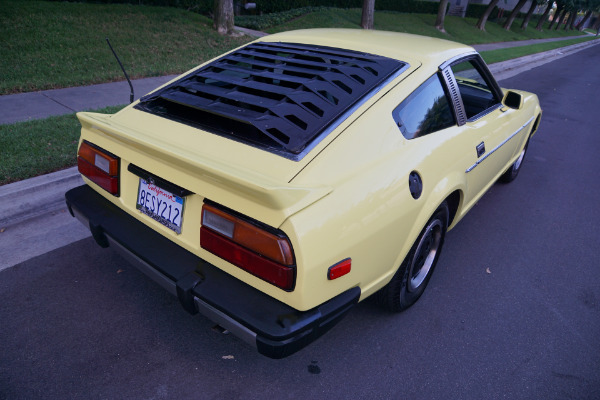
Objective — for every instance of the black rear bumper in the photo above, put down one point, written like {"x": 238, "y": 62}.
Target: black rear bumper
{"x": 274, "y": 328}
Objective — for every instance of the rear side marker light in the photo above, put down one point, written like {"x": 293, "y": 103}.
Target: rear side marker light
{"x": 99, "y": 166}
{"x": 339, "y": 269}
{"x": 262, "y": 253}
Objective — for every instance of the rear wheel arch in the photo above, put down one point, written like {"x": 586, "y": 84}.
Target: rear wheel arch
{"x": 453, "y": 201}
{"x": 536, "y": 124}
{"x": 412, "y": 275}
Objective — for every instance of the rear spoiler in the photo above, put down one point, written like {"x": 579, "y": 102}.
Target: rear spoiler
{"x": 232, "y": 187}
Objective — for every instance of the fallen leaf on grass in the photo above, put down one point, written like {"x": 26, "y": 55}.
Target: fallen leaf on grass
{"x": 487, "y": 270}
{"x": 228, "y": 357}
{"x": 120, "y": 270}
{"x": 2, "y": 230}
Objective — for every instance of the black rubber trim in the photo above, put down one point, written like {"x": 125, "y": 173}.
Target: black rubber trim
{"x": 160, "y": 182}
{"x": 281, "y": 330}
{"x": 329, "y": 314}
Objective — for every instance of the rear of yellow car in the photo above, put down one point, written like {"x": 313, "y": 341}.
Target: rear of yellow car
{"x": 217, "y": 261}
{"x": 195, "y": 184}
{"x": 269, "y": 189}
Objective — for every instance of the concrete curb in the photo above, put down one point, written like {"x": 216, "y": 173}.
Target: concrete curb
{"x": 33, "y": 197}
{"x": 36, "y": 196}
{"x": 510, "y": 68}
{"x": 250, "y": 32}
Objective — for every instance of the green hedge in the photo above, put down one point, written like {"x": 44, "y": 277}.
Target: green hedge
{"x": 405, "y": 6}
{"x": 275, "y": 6}
{"x": 260, "y": 22}
{"x": 278, "y": 6}
{"x": 477, "y": 10}
{"x": 199, "y": 6}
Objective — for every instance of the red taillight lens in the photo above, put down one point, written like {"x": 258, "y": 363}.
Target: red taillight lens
{"x": 99, "y": 166}
{"x": 255, "y": 250}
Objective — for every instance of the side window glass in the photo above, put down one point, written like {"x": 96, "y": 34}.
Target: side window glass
{"x": 474, "y": 91}
{"x": 426, "y": 110}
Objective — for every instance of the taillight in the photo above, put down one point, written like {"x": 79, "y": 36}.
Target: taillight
{"x": 264, "y": 254}
{"x": 99, "y": 166}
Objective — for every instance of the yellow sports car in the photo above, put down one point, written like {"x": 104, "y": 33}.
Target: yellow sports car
{"x": 274, "y": 187}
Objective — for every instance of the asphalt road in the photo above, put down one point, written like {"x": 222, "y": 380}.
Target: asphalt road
{"x": 512, "y": 311}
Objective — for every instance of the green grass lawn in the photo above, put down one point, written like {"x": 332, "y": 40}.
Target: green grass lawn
{"x": 47, "y": 45}
{"x": 39, "y": 147}
{"x": 494, "y": 56}
{"x": 458, "y": 29}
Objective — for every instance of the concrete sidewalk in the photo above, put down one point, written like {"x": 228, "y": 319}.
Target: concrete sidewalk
{"x": 519, "y": 43}
{"x": 46, "y": 103}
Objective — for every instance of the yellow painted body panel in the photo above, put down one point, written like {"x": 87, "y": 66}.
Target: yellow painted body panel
{"x": 348, "y": 197}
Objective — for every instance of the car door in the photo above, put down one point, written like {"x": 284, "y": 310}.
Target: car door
{"x": 486, "y": 125}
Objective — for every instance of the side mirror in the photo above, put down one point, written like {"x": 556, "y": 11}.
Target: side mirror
{"x": 513, "y": 100}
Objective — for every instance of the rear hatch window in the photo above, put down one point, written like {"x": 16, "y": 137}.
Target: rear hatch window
{"x": 280, "y": 97}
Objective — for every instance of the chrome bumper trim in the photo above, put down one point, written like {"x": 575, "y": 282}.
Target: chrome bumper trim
{"x": 143, "y": 266}
{"x": 226, "y": 322}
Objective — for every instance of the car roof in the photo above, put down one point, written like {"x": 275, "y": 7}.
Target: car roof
{"x": 428, "y": 51}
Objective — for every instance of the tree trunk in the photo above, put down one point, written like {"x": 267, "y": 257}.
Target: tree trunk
{"x": 572, "y": 21}
{"x": 368, "y": 14}
{"x": 529, "y": 14}
{"x": 544, "y": 17}
{"x": 559, "y": 9}
{"x": 513, "y": 14}
{"x": 560, "y": 18}
{"x": 441, "y": 15}
{"x": 581, "y": 23}
{"x": 486, "y": 14}
{"x": 568, "y": 20}
{"x": 223, "y": 16}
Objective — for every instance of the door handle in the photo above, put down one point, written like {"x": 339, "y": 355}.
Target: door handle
{"x": 480, "y": 149}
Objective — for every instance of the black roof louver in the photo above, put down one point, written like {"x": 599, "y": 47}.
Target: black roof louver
{"x": 279, "y": 97}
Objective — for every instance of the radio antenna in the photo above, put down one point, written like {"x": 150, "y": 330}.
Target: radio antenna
{"x": 123, "y": 69}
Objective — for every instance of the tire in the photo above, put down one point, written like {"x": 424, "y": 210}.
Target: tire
{"x": 411, "y": 278}
{"x": 511, "y": 174}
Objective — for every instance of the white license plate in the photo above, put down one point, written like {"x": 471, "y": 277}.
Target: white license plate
{"x": 160, "y": 205}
